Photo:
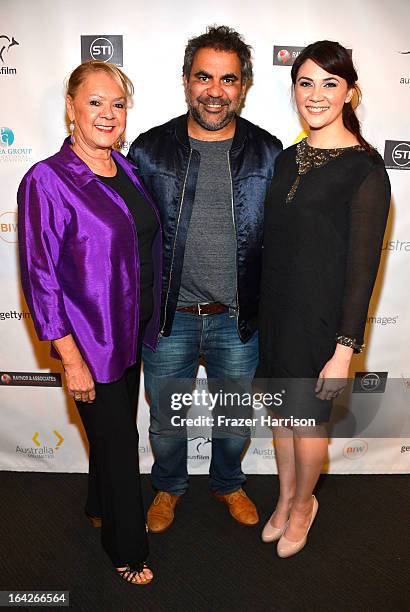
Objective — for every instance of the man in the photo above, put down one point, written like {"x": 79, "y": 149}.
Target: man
{"x": 209, "y": 172}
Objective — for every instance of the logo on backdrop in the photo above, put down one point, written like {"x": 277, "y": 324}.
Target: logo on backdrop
{"x": 397, "y": 154}
{"x": 8, "y": 226}
{"x": 6, "y": 137}
{"x": 42, "y": 450}
{"x": 264, "y": 453}
{"x": 14, "y": 314}
{"x": 285, "y": 55}
{"x": 30, "y": 379}
{"x": 396, "y": 245}
{"x": 370, "y": 382}
{"x": 12, "y": 154}
{"x": 197, "y": 449}
{"x": 355, "y": 449}
{"x": 405, "y": 80}
{"x": 6, "y": 48}
{"x": 373, "y": 320}
{"x": 102, "y": 47}
{"x": 406, "y": 381}
{"x": 405, "y": 449}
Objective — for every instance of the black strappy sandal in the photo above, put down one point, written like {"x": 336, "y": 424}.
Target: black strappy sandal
{"x": 130, "y": 572}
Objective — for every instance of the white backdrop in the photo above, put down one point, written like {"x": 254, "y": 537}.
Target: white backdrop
{"x": 39, "y": 427}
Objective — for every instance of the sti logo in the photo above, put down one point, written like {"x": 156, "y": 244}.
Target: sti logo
{"x": 370, "y": 382}
{"x": 397, "y": 154}
{"x": 103, "y": 47}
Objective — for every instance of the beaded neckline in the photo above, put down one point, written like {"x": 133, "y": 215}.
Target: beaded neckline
{"x": 308, "y": 157}
{"x": 358, "y": 146}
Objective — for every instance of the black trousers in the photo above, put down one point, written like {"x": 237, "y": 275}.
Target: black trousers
{"x": 114, "y": 488}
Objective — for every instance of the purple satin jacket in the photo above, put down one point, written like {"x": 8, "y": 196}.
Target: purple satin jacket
{"x": 79, "y": 262}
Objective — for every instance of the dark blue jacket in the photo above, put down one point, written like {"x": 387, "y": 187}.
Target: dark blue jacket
{"x": 168, "y": 167}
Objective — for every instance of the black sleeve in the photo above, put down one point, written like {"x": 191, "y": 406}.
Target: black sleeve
{"x": 133, "y": 153}
{"x": 368, "y": 217}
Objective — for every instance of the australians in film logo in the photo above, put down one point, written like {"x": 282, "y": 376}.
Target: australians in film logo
{"x": 8, "y": 226}
{"x": 404, "y": 80}
{"x": 355, "y": 449}
{"x": 199, "y": 449}
{"x": 370, "y": 382}
{"x": 43, "y": 448}
{"x": 7, "y": 47}
{"x": 10, "y": 153}
{"x": 397, "y": 154}
{"x": 102, "y": 47}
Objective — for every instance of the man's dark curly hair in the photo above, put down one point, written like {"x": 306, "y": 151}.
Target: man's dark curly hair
{"x": 220, "y": 38}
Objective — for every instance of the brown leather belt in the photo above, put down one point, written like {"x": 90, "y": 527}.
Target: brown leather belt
{"x": 205, "y": 309}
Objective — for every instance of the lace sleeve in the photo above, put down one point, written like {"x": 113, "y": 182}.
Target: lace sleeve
{"x": 368, "y": 218}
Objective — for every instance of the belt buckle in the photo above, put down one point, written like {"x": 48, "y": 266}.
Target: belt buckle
{"x": 199, "y": 308}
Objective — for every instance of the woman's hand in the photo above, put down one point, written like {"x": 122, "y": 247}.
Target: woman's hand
{"x": 80, "y": 383}
{"x": 333, "y": 377}
{"x": 79, "y": 380}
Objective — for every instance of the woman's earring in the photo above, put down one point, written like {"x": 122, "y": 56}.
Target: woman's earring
{"x": 72, "y": 126}
{"x": 119, "y": 143}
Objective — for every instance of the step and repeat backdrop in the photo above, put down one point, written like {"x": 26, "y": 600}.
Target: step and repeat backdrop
{"x": 42, "y": 41}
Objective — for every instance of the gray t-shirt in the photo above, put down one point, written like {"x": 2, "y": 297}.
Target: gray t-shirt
{"x": 209, "y": 270}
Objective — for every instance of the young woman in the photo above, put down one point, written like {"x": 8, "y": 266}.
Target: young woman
{"x": 324, "y": 223}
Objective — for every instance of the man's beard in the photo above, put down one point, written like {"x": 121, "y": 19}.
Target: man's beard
{"x": 212, "y": 126}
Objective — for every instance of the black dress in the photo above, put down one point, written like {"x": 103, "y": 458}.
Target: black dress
{"x": 325, "y": 217}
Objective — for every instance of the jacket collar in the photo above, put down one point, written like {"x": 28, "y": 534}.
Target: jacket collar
{"x": 81, "y": 173}
{"x": 181, "y": 131}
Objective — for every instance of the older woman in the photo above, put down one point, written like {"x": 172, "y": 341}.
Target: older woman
{"x": 90, "y": 252}
{"x": 325, "y": 219}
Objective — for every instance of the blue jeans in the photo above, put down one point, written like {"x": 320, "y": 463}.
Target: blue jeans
{"x": 215, "y": 339}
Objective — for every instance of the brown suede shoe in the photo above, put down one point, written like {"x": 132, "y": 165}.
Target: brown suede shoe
{"x": 240, "y": 506}
{"x": 161, "y": 513}
{"x": 95, "y": 521}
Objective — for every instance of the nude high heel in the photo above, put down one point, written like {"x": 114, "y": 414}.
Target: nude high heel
{"x": 286, "y": 548}
{"x": 270, "y": 533}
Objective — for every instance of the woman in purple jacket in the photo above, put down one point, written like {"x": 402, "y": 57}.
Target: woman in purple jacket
{"x": 90, "y": 253}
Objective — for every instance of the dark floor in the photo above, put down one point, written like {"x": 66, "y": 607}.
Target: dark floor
{"x": 357, "y": 557}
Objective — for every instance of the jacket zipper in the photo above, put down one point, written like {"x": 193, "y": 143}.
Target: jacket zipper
{"x": 175, "y": 243}
{"x": 236, "y": 239}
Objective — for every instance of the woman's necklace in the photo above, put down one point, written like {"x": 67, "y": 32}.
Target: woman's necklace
{"x": 308, "y": 157}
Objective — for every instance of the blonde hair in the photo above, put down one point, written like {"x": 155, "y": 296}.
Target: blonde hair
{"x": 79, "y": 74}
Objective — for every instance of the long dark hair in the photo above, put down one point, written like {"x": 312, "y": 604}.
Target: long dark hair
{"x": 335, "y": 59}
